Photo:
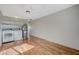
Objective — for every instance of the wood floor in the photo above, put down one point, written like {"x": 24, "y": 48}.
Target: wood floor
{"x": 42, "y": 47}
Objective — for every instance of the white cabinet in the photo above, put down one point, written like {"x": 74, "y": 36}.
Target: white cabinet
{"x": 18, "y": 34}
{"x": 8, "y": 35}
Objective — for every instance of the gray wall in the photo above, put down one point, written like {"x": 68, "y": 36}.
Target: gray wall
{"x": 0, "y": 27}
{"x": 61, "y": 27}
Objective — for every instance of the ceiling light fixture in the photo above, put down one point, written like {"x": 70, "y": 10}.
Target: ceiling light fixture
{"x": 29, "y": 13}
{"x": 28, "y": 16}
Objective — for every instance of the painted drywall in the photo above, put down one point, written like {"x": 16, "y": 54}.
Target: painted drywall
{"x": 12, "y": 20}
{"x": 37, "y": 10}
{"x": 0, "y": 36}
{"x": 0, "y": 29}
{"x": 61, "y": 27}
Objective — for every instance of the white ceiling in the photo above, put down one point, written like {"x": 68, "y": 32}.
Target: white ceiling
{"x": 37, "y": 10}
